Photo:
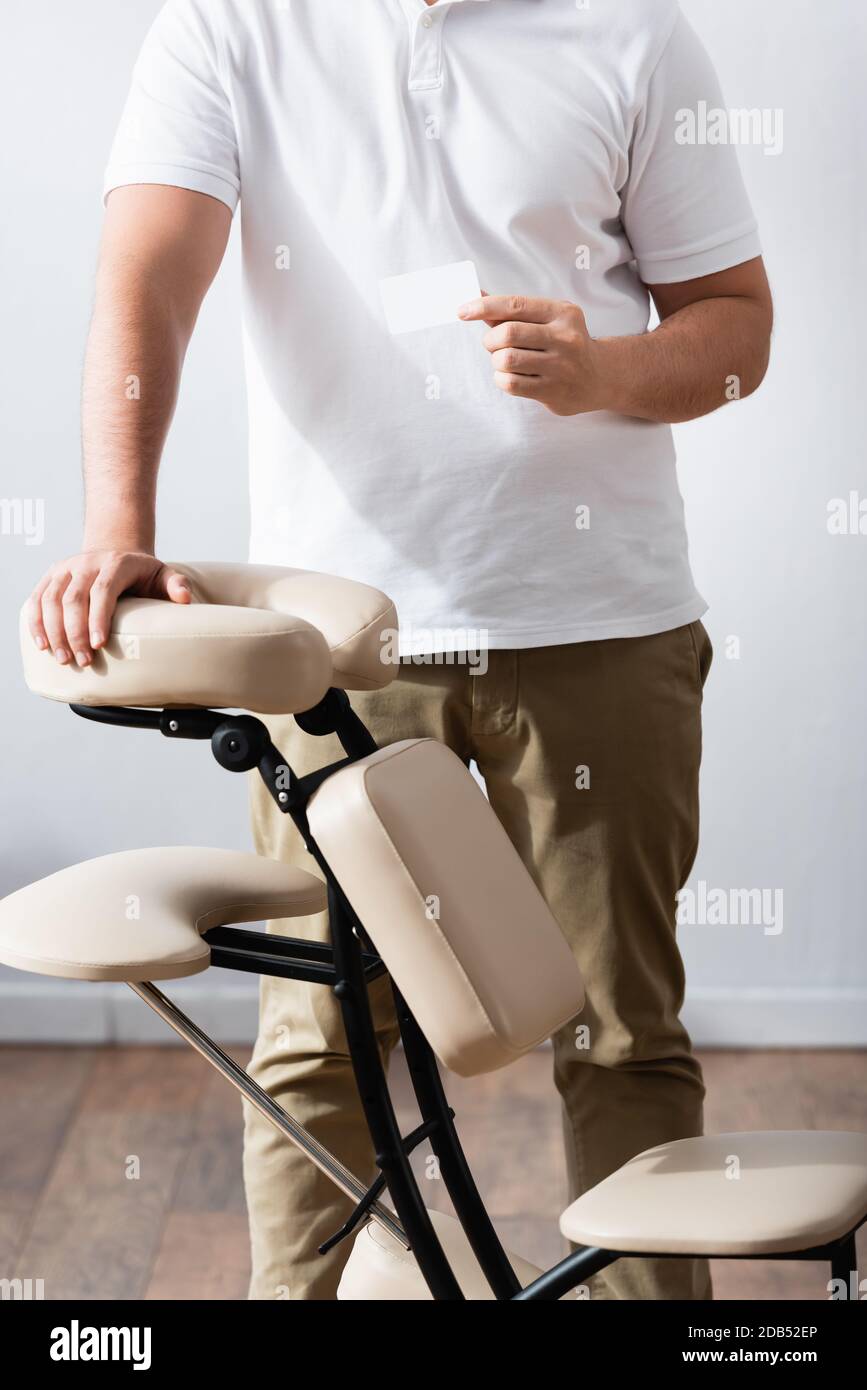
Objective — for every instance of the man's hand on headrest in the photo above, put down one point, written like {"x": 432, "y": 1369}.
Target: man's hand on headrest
{"x": 71, "y": 608}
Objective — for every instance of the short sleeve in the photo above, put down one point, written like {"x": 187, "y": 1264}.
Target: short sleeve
{"x": 177, "y": 125}
{"x": 685, "y": 208}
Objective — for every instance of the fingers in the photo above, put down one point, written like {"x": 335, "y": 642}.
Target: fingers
{"x": 71, "y": 609}
{"x": 52, "y": 616}
{"x": 105, "y": 591}
{"x": 518, "y": 335}
{"x": 498, "y": 308}
{"x": 58, "y": 614}
{"x": 132, "y": 574}
{"x": 517, "y": 360}
{"x": 75, "y": 606}
{"x": 34, "y": 615}
{"x": 515, "y": 385}
{"x": 173, "y": 585}
{"x": 490, "y": 322}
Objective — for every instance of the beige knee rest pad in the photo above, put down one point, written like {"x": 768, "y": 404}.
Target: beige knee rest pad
{"x": 139, "y": 915}
{"x": 463, "y": 929}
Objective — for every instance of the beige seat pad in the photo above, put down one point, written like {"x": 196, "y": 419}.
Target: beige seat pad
{"x": 795, "y": 1190}
{"x": 139, "y": 915}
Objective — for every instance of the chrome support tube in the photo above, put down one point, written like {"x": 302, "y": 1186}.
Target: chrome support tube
{"x": 253, "y": 1092}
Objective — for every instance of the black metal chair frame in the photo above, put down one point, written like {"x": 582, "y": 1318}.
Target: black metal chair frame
{"x": 242, "y": 743}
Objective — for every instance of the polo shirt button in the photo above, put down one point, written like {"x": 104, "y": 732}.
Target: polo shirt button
{"x": 427, "y": 21}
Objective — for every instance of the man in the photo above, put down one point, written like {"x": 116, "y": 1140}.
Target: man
{"x": 507, "y": 478}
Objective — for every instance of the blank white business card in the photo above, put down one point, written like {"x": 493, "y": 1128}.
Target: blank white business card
{"x": 426, "y": 298}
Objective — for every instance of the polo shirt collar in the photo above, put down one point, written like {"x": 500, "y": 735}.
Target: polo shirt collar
{"x": 414, "y": 7}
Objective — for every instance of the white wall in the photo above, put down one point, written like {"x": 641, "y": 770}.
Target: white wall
{"x": 784, "y": 773}
{"x": 72, "y": 790}
{"x": 784, "y": 777}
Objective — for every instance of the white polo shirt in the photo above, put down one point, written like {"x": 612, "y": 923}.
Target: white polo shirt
{"x": 370, "y": 138}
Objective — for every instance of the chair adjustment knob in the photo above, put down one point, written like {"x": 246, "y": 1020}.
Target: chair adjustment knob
{"x": 238, "y": 743}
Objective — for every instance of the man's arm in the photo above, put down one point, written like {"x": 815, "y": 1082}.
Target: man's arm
{"x": 712, "y": 330}
{"x": 161, "y": 249}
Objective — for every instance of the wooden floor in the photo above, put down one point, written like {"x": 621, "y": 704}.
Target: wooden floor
{"x": 71, "y": 1118}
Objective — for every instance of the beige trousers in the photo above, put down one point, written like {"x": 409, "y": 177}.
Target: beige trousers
{"x": 590, "y": 753}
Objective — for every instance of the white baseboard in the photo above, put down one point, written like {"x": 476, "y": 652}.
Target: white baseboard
{"x": 76, "y": 1012}
{"x": 792, "y": 1018}
{"x": 73, "y": 1012}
